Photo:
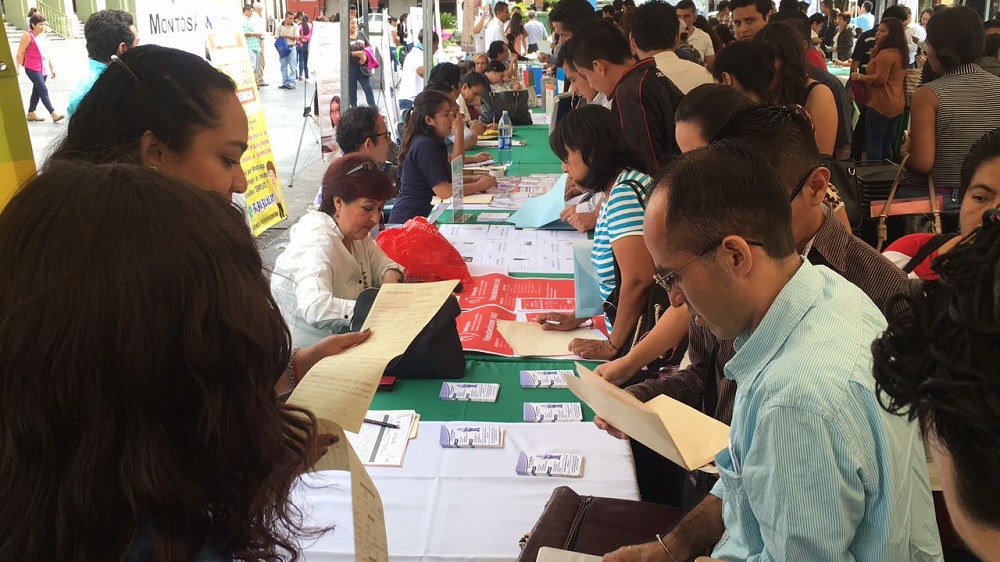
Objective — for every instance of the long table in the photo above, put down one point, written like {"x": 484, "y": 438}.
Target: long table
{"x": 447, "y": 505}
{"x": 534, "y": 158}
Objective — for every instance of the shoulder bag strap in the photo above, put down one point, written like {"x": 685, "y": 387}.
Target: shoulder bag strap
{"x": 927, "y": 249}
{"x": 883, "y": 233}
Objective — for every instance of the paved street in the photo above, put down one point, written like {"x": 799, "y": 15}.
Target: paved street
{"x": 283, "y": 112}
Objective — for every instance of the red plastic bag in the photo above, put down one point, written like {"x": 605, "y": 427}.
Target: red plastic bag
{"x": 423, "y": 252}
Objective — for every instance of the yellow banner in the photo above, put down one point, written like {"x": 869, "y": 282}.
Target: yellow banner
{"x": 264, "y": 199}
{"x": 17, "y": 162}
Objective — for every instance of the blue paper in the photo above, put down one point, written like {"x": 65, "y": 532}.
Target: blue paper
{"x": 588, "y": 299}
{"x": 543, "y": 212}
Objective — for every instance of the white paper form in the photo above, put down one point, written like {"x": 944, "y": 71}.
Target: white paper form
{"x": 546, "y": 412}
{"x": 472, "y": 436}
{"x": 550, "y": 464}
{"x": 470, "y": 391}
{"x": 383, "y": 446}
{"x": 549, "y": 554}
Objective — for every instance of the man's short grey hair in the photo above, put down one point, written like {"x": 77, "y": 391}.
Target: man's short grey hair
{"x": 531, "y": 14}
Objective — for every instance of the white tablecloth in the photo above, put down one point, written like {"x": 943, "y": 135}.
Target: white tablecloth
{"x": 465, "y": 504}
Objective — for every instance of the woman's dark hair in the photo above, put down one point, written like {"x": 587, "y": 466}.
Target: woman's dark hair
{"x": 36, "y": 19}
{"x": 426, "y": 104}
{"x": 352, "y": 177}
{"x": 792, "y": 77}
{"x": 710, "y": 106}
{"x": 494, "y": 66}
{"x": 139, "y": 349}
{"x": 169, "y": 92}
{"x": 305, "y": 24}
{"x": 701, "y": 22}
{"x": 516, "y": 26}
{"x": 938, "y": 362}
{"x": 957, "y": 36}
{"x": 895, "y": 40}
{"x": 473, "y": 79}
{"x": 594, "y": 132}
{"x": 984, "y": 150}
{"x": 725, "y": 35}
{"x": 751, "y": 63}
{"x": 444, "y": 76}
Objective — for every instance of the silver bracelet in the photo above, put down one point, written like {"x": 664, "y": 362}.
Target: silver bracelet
{"x": 667, "y": 550}
{"x": 291, "y": 370}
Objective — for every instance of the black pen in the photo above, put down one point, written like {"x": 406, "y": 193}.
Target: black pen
{"x": 382, "y": 423}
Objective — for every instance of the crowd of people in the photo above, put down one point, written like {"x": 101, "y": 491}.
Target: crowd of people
{"x": 134, "y": 310}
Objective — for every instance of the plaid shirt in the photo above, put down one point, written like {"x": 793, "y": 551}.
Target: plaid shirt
{"x": 727, "y": 20}
{"x": 253, "y": 43}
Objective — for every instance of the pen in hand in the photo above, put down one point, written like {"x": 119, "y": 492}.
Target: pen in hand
{"x": 382, "y": 423}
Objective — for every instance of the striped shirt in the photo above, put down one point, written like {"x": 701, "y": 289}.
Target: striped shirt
{"x": 968, "y": 99}
{"x": 816, "y": 469}
{"x": 621, "y": 216}
{"x": 834, "y": 247}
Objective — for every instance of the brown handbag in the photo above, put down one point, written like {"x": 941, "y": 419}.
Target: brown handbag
{"x": 594, "y": 525}
{"x": 883, "y": 233}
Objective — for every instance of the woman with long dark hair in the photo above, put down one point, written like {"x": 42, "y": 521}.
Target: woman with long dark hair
{"x": 423, "y": 156}
{"x": 517, "y": 36}
{"x": 358, "y": 72}
{"x": 596, "y": 156}
{"x": 883, "y": 82}
{"x": 33, "y": 55}
{"x": 305, "y": 35}
{"x": 148, "y": 428}
{"x": 792, "y": 84}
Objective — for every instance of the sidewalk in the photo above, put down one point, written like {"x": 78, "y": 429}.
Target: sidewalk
{"x": 283, "y": 113}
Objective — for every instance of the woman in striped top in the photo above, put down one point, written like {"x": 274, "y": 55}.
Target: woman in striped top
{"x": 597, "y": 157}
{"x": 951, "y": 113}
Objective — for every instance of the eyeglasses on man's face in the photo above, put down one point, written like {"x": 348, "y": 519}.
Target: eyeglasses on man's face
{"x": 668, "y": 279}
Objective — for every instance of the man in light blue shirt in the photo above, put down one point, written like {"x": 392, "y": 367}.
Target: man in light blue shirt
{"x": 108, "y": 32}
{"x": 864, "y": 20}
{"x": 815, "y": 469}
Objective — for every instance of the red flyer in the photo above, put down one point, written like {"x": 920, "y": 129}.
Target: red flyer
{"x": 545, "y": 305}
{"x": 477, "y": 328}
{"x": 503, "y": 291}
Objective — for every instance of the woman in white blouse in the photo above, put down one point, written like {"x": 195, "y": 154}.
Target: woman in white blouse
{"x": 330, "y": 257}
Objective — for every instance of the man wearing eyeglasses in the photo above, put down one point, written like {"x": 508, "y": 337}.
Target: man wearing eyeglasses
{"x": 362, "y": 130}
{"x": 815, "y": 469}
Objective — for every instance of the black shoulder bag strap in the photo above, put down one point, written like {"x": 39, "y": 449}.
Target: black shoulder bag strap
{"x": 927, "y": 249}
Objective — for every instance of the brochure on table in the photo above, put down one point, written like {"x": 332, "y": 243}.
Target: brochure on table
{"x": 479, "y": 331}
{"x": 543, "y": 212}
{"x": 516, "y": 250}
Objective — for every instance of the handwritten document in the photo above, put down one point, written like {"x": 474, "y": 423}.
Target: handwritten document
{"x": 528, "y": 339}
{"x": 340, "y": 388}
{"x": 370, "y": 543}
{"x": 677, "y": 431}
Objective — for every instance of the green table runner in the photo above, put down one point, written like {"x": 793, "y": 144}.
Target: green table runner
{"x": 423, "y": 395}
{"x": 534, "y": 158}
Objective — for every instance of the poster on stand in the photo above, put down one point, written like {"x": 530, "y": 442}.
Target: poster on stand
{"x": 324, "y": 67}
{"x": 265, "y": 203}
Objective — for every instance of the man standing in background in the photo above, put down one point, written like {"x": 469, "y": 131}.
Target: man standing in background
{"x": 259, "y": 27}
{"x": 495, "y": 29}
{"x": 108, "y": 32}
{"x": 252, "y": 37}
{"x": 536, "y": 32}
{"x": 688, "y": 12}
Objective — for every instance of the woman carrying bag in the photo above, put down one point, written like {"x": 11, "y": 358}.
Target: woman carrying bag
{"x": 358, "y": 72}
{"x": 32, "y": 55}
{"x": 884, "y": 89}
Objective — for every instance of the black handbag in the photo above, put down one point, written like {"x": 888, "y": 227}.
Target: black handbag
{"x": 436, "y": 352}
{"x": 656, "y": 304}
{"x": 514, "y": 102}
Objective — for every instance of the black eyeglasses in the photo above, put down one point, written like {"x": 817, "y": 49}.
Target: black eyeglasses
{"x": 387, "y": 135}
{"x": 802, "y": 182}
{"x": 668, "y": 279}
{"x": 121, "y": 64}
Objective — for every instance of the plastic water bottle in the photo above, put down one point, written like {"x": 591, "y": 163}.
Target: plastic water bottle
{"x": 505, "y": 139}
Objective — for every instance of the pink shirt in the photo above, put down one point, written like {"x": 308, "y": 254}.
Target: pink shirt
{"x": 34, "y": 55}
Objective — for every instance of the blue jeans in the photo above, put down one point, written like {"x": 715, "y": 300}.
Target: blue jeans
{"x": 879, "y": 132}
{"x": 289, "y": 65}
{"x": 39, "y": 91}
{"x": 254, "y": 55}
{"x": 354, "y": 78}
{"x": 303, "y": 52}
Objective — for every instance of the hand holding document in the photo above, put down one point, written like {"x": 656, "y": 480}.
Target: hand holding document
{"x": 677, "y": 431}
{"x": 549, "y": 554}
{"x": 528, "y": 339}
{"x": 340, "y": 388}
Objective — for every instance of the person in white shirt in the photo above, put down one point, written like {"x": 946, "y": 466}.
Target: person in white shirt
{"x": 915, "y": 34}
{"x": 495, "y": 29}
{"x": 537, "y": 34}
{"x": 412, "y": 76}
{"x": 697, "y": 38}
{"x": 479, "y": 29}
{"x": 655, "y": 33}
{"x": 258, "y": 25}
{"x": 330, "y": 256}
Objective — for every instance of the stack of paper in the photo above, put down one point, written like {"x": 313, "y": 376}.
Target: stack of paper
{"x": 543, "y": 212}
{"x": 379, "y": 445}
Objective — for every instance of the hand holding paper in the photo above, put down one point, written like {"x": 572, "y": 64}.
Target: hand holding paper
{"x": 677, "y": 431}
{"x": 528, "y": 339}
